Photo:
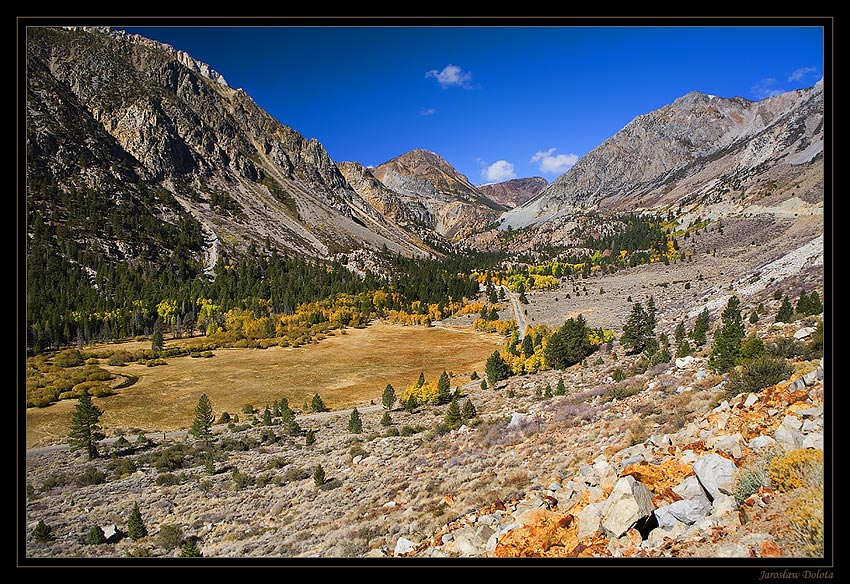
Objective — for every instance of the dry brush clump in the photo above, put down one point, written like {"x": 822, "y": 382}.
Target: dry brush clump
{"x": 800, "y": 473}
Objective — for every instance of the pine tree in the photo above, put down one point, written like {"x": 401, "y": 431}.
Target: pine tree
{"x": 803, "y": 305}
{"x": 497, "y": 369}
{"x": 726, "y": 349}
{"x": 386, "y": 420}
{"x": 318, "y": 405}
{"x": 786, "y": 311}
{"x": 815, "y": 304}
{"x": 319, "y": 476}
{"x": 527, "y": 346}
{"x": 468, "y": 412}
{"x": 309, "y": 438}
{"x": 355, "y": 426}
{"x": 547, "y": 391}
{"x": 453, "y": 417}
{"x": 287, "y": 421}
{"x": 85, "y": 431}
{"x": 483, "y": 384}
{"x": 421, "y": 381}
{"x": 638, "y": 330}
{"x": 569, "y": 344}
{"x": 42, "y": 532}
{"x": 202, "y": 424}
{"x": 411, "y": 404}
{"x": 190, "y": 549}
{"x": 560, "y": 389}
{"x": 650, "y": 312}
{"x": 388, "y": 397}
{"x": 684, "y": 349}
{"x": 135, "y": 525}
{"x": 680, "y": 332}
{"x": 267, "y": 417}
{"x": 700, "y": 331}
{"x": 444, "y": 388}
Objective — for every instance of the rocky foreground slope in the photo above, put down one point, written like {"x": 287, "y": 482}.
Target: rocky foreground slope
{"x": 669, "y": 469}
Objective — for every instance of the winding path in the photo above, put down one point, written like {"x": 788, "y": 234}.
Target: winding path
{"x": 518, "y": 313}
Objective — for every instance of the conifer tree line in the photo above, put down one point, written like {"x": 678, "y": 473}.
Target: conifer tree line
{"x": 76, "y": 296}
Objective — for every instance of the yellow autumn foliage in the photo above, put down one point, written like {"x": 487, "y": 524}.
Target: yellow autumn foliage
{"x": 426, "y": 393}
{"x": 802, "y": 467}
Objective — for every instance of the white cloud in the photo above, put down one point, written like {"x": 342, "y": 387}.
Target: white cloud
{"x": 451, "y": 76}
{"x": 428, "y": 111}
{"x": 499, "y": 171}
{"x": 552, "y": 163}
{"x": 764, "y": 88}
{"x": 800, "y": 73}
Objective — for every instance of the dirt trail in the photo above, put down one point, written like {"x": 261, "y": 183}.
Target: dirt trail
{"x": 518, "y": 313}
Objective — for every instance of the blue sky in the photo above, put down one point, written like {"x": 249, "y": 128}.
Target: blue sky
{"x": 497, "y": 102}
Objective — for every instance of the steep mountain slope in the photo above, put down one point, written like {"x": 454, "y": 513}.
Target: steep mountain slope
{"x": 513, "y": 193}
{"x": 102, "y": 103}
{"x": 406, "y": 211}
{"x": 718, "y": 156}
{"x": 457, "y": 208}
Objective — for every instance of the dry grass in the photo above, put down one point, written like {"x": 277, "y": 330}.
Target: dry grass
{"x": 345, "y": 370}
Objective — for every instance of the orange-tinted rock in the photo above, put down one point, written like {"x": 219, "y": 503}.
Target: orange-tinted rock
{"x": 769, "y": 549}
{"x": 659, "y": 477}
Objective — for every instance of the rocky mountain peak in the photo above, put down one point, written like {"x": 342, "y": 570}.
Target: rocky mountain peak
{"x": 700, "y": 150}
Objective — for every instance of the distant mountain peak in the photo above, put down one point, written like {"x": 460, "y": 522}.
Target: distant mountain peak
{"x": 698, "y": 150}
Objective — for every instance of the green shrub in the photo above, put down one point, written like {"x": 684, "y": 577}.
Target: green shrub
{"x": 95, "y": 536}
{"x": 68, "y": 358}
{"x": 55, "y": 480}
{"x": 277, "y": 462}
{"x": 756, "y": 374}
{"x": 169, "y": 536}
{"x": 167, "y": 479}
{"x": 118, "y": 359}
{"x": 241, "y": 479}
{"x": 753, "y": 474}
{"x": 621, "y": 391}
{"x": 90, "y": 476}
{"x": 123, "y": 467}
{"x": 171, "y": 458}
{"x": 295, "y": 474}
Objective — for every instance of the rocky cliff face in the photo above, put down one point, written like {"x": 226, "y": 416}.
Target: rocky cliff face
{"x": 721, "y": 155}
{"x": 175, "y": 125}
{"x": 513, "y": 193}
{"x": 456, "y": 206}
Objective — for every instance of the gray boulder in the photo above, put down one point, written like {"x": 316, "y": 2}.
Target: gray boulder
{"x": 629, "y": 503}
{"x": 687, "y": 511}
{"x": 716, "y": 474}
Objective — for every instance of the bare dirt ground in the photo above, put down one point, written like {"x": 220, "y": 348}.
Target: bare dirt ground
{"x": 685, "y": 288}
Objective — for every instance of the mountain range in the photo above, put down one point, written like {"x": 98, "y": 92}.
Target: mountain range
{"x": 165, "y": 136}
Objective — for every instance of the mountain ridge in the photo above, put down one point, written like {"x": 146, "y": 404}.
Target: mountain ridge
{"x": 696, "y": 150}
